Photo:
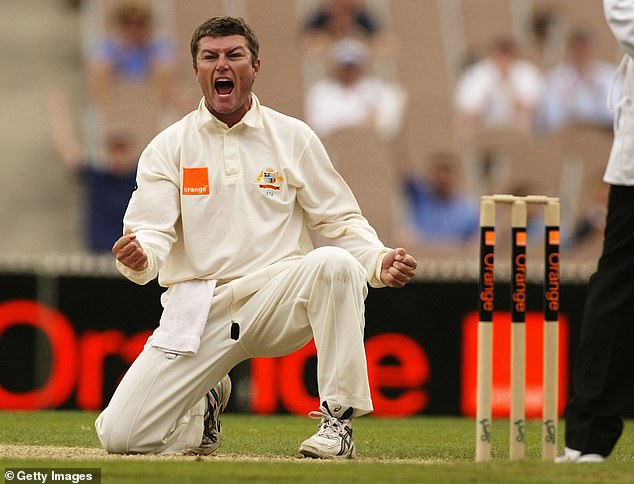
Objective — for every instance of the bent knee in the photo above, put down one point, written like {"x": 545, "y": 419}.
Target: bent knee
{"x": 114, "y": 438}
{"x": 335, "y": 263}
{"x": 117, "y": 436}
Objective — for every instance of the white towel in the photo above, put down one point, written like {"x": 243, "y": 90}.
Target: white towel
{"x": 184, "y": 317}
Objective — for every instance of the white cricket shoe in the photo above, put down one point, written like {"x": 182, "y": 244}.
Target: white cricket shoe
{"x": 569, "y": 455}
{"x": 333, "y": 440}
{"x": 572, "y": 455}
{"x": 217, "y": 400}
{"x": 590, "y": 459}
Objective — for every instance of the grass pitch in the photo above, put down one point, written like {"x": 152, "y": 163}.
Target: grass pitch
{"x": 264, "y": 449}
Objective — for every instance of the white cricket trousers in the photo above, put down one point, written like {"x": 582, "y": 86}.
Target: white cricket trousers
{"x": 159, "y": 405}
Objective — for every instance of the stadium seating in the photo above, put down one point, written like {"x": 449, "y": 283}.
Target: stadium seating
{"x": 433, "y": 39}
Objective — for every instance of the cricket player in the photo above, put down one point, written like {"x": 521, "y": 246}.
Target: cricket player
{"x": 225, "y": 201}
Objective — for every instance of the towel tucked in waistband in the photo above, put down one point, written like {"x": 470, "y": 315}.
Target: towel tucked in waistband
{"x": 184, "y": 317}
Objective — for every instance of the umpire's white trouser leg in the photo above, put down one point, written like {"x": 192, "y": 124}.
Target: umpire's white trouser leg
{"x": 159, "y": 405}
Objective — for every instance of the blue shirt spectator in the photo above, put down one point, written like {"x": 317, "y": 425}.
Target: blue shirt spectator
{"x": 132, "y": 52}
{"x": 108, "y": 182}
{"x": 439, "y": 213}
{"x": 136, "y": 61}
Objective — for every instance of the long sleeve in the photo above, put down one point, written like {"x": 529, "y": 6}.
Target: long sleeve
{"x": 332, "y": 210}
{"x": 153, "y": 212}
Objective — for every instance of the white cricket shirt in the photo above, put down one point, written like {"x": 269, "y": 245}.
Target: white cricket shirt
{"x": 223, "y": 203}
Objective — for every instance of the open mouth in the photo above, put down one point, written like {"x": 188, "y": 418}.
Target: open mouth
{"x": 224, "y": 86}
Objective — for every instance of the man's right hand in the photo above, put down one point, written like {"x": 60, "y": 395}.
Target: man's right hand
{"x": 129, "y": 252}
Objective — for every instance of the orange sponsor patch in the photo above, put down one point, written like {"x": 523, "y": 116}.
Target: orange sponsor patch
{"x": 489, "y": 237}
{"x": 520, "y": 239}
{"x": 195, "y": 181}
{"x": 553, "y": 237}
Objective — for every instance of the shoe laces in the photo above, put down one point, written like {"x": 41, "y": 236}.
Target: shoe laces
{"x": 331, "y": 426}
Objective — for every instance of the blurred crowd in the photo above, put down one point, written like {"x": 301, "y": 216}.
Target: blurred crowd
{"x": 502, "y": 97}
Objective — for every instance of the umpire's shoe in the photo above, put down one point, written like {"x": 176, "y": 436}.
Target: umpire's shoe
{"x": 217, "y": 399}
{"x": 572, "y": 455}
{"x": 333, "y": 440}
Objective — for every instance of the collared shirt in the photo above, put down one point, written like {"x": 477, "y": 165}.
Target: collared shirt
{"x": 223, "y": 203}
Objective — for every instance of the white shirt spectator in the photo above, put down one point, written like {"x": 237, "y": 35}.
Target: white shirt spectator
{"x": 570, "y": 97}
{"x": 501, "y": 90}
{"x": 577, "y": 89}
{"x": 351, "y": 98}
{"x": 484, "y": 91}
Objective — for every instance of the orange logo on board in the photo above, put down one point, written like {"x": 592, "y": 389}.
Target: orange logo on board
{"x": 195, "y": 181}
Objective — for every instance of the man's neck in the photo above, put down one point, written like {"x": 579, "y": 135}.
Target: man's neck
{"x": 231, "y": 119}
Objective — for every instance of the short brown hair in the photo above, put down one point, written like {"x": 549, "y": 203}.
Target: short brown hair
{"x": 223, "y": 27}
{"x": 133, "y": 10}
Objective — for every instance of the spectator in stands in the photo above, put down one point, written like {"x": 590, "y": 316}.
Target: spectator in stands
{"x": 129, "y": 64}
{"x": 576, "y": 90}
{"x": 439, "y": 213}
{"x": 545, "y": 25}
{"x": 351, "y": 97}
{"x": 501, "y": 89}
{"x": 108, "y": 188}
{"x": 109, "y": 183}
{"x": 336, "y": 19}
{"x": 133, "y": 53}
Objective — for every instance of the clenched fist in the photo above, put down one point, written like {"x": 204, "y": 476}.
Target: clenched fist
{"x": 129, "y": 252}
{"x": 398, "y": 268}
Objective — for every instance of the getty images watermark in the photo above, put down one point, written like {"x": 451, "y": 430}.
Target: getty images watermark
{"x": 55, "y": 474}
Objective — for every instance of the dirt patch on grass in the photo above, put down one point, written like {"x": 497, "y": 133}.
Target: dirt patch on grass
{"x": 18, "y": 451}
{"x": 21, "y": 451}
{"x": 29, "y": 452}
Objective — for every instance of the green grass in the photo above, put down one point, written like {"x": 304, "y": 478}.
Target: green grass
{"x": 264, "y": 449}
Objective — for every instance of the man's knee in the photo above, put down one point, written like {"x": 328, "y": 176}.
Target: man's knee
{"x": 335, "y": 264}
{"x": 115, "y": 435}
{"x": 109, "y": 437}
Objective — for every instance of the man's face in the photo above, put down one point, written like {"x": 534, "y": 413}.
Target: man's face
{"x": 121, "y": 156}
{"x": 226, "y": 73}
{"x": 135, "y": 30}
{"x": 443, "y": 178}
{"x": 348, "y": 74}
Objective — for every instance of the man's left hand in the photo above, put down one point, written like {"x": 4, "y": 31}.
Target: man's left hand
{"x": 398, "y": 268}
